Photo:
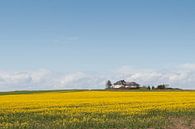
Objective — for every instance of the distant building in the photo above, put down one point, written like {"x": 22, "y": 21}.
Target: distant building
{"x": 132, "y": 85}
{"x": 119, "y": 84}
{"x": 122, "y": 84}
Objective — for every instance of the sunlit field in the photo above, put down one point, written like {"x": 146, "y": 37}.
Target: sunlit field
{"x": 98, "y": 109}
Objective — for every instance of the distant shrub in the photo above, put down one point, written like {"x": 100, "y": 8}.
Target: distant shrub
{"x": 163, "y": 86}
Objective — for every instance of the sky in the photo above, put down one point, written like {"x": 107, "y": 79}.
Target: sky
{"x": 65, "y": 44}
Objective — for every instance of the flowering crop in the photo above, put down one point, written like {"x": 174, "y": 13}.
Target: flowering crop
{"x": 93, "y": 109}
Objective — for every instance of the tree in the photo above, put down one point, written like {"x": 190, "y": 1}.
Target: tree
{"x": 108, "y": 84}
{"x": 163, "y": 86}
{"x": 153, "y": 87}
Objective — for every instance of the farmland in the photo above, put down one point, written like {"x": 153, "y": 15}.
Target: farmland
{"x": 97, "y": 109}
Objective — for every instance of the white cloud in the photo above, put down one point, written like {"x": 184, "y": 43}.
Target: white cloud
{"x": 45, "y": 79}
{"x": 182, "y": 76}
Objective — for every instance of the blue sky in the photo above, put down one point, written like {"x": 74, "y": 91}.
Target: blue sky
{"x": 96, "y": 36}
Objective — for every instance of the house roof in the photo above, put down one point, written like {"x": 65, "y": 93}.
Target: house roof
{"x": 121, "y": 82}
{"x": 124, "y": 83}
{"x": 132, "y": 84}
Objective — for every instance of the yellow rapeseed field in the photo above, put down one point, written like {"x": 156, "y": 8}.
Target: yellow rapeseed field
{"x": 95, "y": 109}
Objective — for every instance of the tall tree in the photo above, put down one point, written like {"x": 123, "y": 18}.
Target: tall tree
{"x": 108, "y": 84}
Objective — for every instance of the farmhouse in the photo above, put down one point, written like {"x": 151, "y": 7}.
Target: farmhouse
{"x": 124, "y": 84}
